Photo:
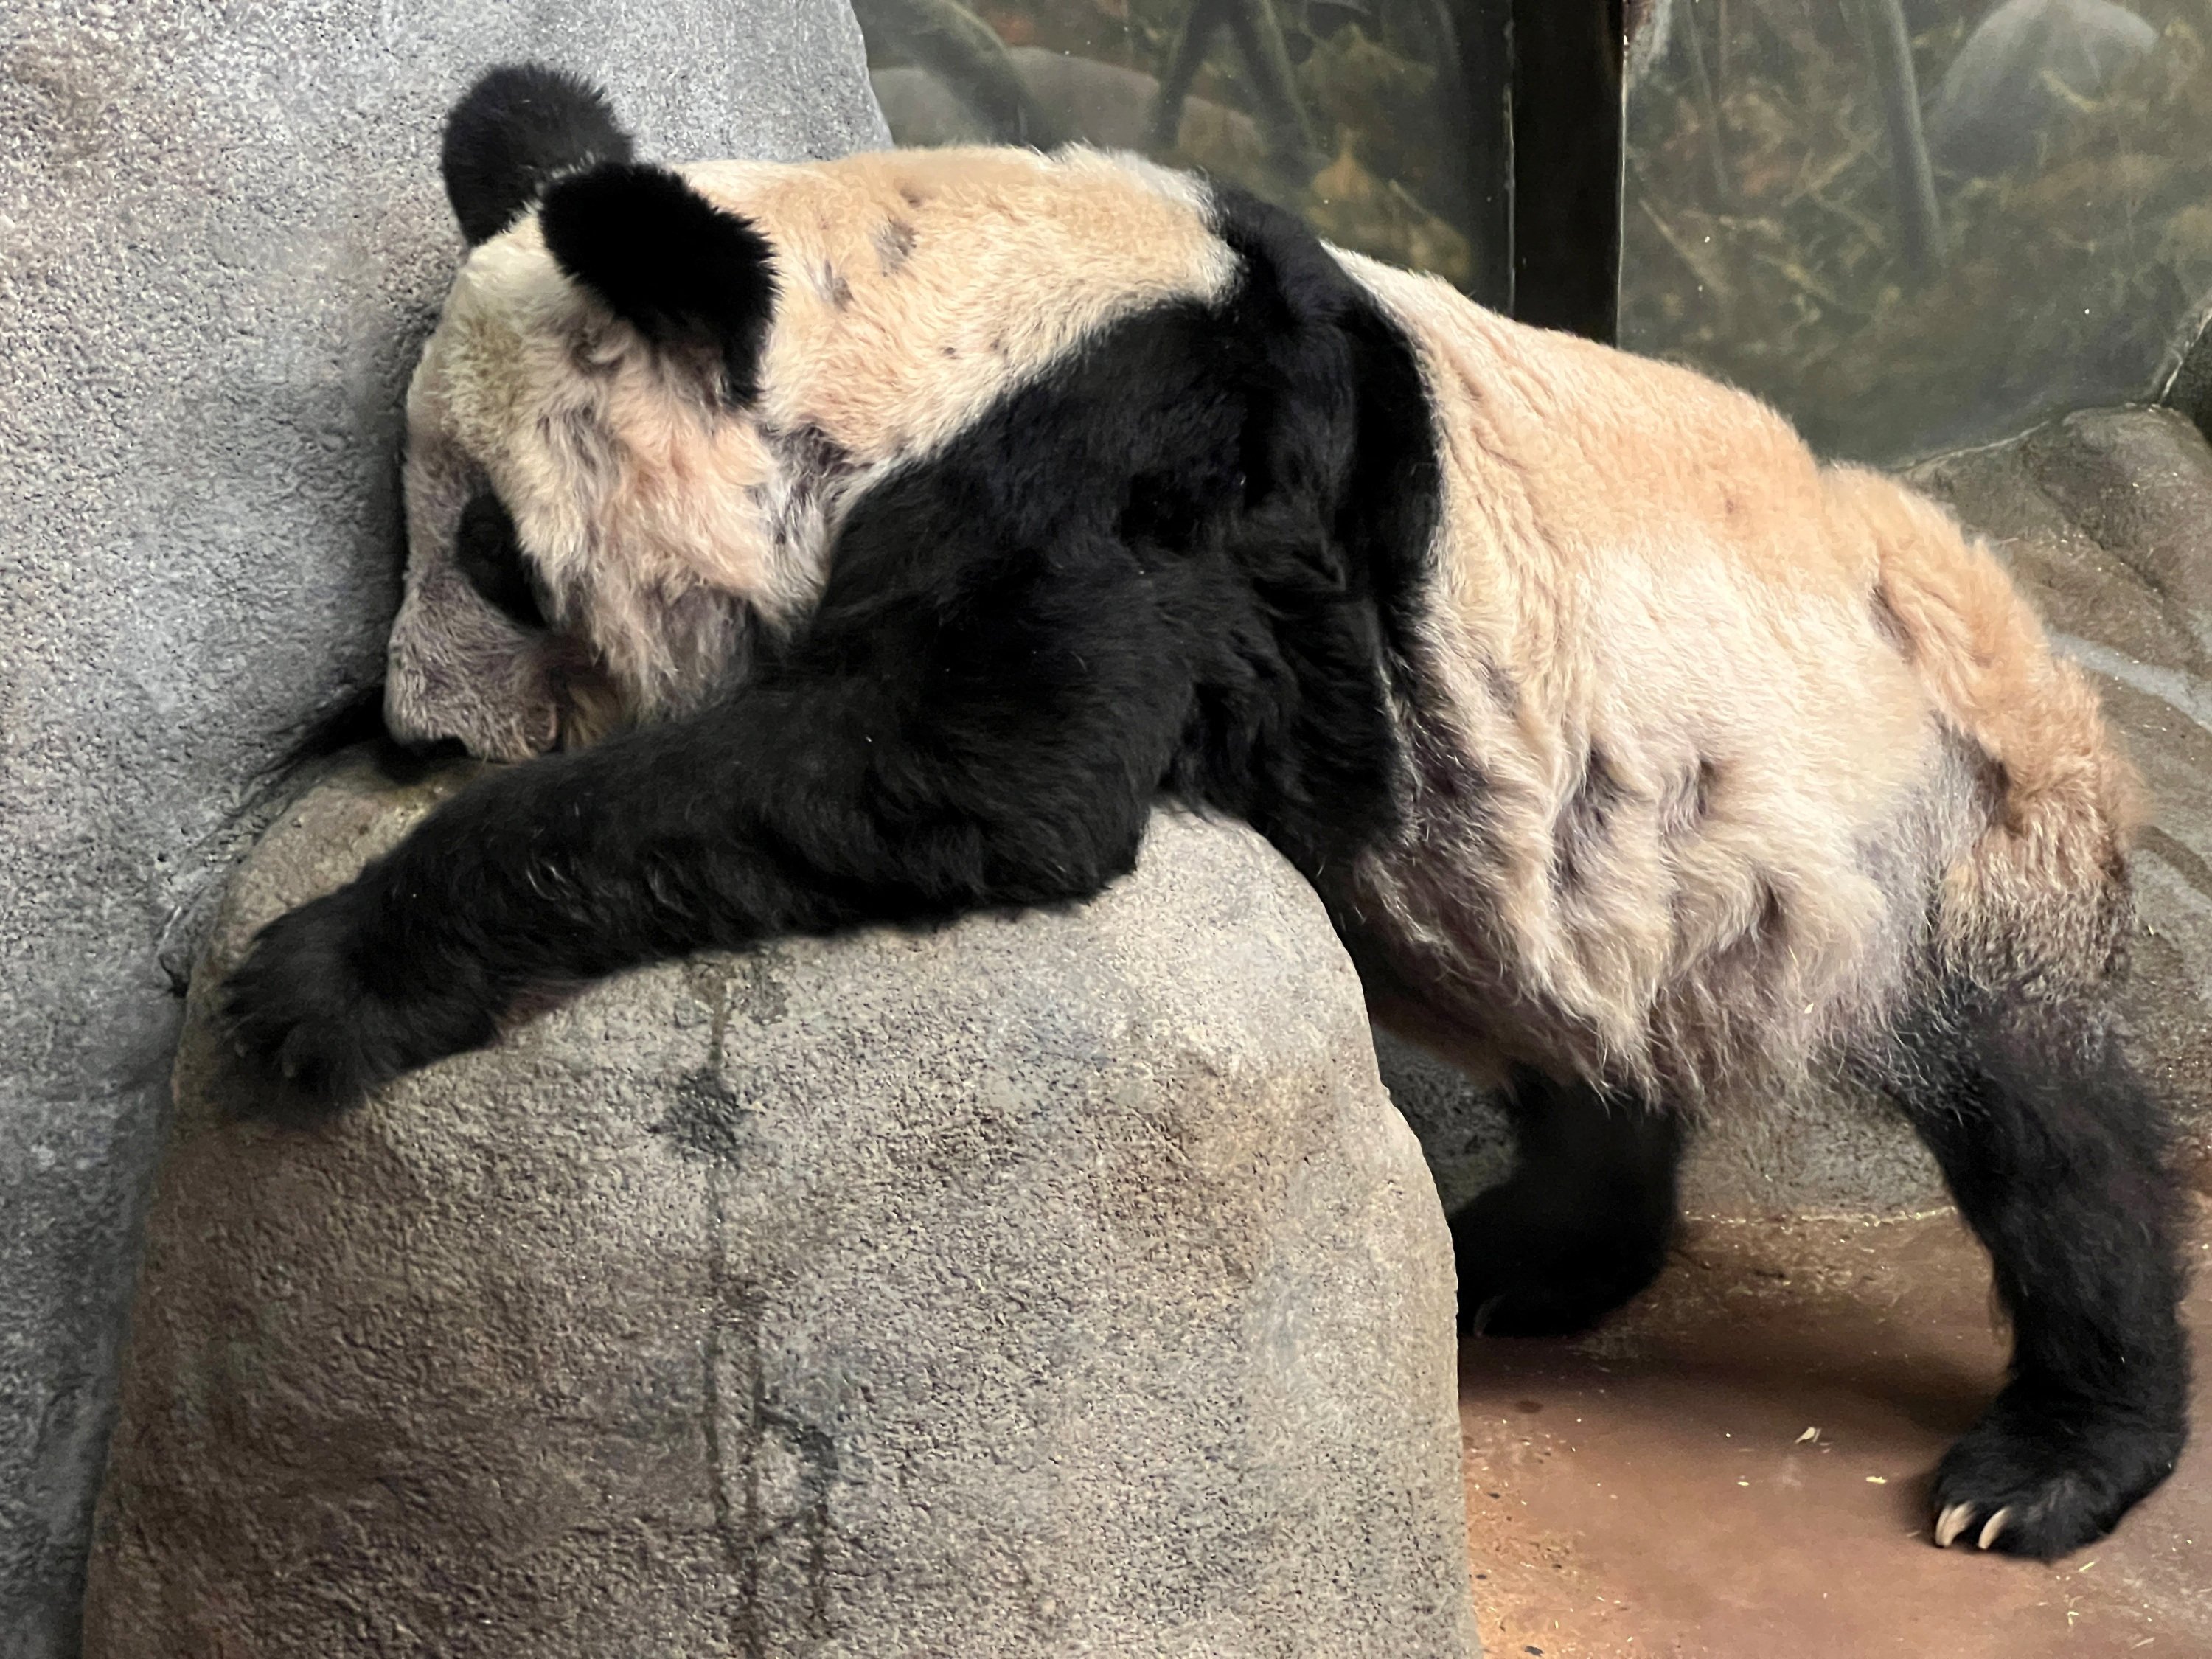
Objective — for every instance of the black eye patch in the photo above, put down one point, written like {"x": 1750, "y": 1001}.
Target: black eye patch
{"x": 489, "y": 554}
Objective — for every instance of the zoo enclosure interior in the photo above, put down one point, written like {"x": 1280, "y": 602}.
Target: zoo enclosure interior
{"x": 1909, "y": 224}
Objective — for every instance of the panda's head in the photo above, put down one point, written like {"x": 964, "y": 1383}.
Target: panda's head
{"x": 583, "y": 488}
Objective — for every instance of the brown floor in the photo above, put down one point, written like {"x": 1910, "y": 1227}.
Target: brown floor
{"x": 1652, "y": 1489}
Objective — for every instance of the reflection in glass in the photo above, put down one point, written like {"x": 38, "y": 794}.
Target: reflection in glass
{"x": 1354, "y": 113}
{"x": 1773, "y": 223}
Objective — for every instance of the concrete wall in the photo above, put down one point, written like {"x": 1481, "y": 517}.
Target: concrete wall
{"x": 221, "y": 238}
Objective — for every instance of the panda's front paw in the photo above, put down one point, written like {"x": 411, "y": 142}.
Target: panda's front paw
{"x": 311, "y": 1013}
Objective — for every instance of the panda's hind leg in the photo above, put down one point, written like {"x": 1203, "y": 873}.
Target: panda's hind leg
{"x": 2056, "y": 1156}
{"x": 1584, "y": 1222}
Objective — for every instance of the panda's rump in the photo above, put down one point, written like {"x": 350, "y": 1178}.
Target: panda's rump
{"x": 1724, "y": 743}
{"x": 1694, "y": 840}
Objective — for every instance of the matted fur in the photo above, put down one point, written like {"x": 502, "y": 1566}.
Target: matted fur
{"x": 1716, "y": 724}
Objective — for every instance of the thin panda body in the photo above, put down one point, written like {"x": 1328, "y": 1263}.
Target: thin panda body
{"x": 897, "y": 531}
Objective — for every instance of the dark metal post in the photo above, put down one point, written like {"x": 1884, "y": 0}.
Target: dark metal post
{"x": 1485, "y": 30}
{"x": 1566, "y": 164}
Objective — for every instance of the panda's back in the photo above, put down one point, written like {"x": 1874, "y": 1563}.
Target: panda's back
{"x": 916, "y": 288}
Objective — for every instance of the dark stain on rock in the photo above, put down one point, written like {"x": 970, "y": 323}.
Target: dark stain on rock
{"x": 742, "y": 1418}
{"x": 733, "y": 1336}
{"x": 758, "y": 993}
{"x": 2178, "y": 858}
{"x": 706, "y": 1119}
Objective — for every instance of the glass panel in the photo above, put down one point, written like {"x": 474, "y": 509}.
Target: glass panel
{"x": 1359, "y": 114}
{"x": 1914, "y": 224}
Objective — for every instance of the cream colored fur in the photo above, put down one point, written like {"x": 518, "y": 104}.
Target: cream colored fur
{"x": 914, "y": 288}
{"x": 1730, "y": 746}
{"x": 1816, "y": 706}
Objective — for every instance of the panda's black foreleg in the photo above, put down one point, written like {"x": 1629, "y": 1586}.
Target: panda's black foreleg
{"x": 1583, "y": 1223}
{"x": 2057, "y": 1154}
{"x": 915, "y": 763}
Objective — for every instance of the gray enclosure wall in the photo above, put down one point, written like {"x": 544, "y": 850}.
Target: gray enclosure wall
{"x": 222, "y": 239}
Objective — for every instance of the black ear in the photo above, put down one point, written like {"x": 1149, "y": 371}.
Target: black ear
{"x": 667, "y": 261}
{"x": 518, "y": 128}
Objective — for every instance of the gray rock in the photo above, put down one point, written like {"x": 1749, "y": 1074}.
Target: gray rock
{"x": 2106, "y": 519}
{"x": 2019, "y": 74}
{"x": 1058, "y": 1284}
{"x": 221, "y": 238}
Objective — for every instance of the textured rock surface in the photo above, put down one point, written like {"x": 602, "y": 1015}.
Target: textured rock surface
{"x": 2106, "y": 519}
{"x": 220, "y": 240}
{"x": 1053, "y": 1284}
{"x": 2185, "y": 381}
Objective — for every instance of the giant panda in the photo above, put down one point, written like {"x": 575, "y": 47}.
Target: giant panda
{"x": 880, "y": 539}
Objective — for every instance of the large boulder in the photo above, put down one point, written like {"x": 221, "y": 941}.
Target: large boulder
{"x": 222, "y": 239}
{"x": 1055, "y": 1284}
{"x": 2029, "y": 67}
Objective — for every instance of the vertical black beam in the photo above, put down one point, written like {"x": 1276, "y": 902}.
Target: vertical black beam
{"x": 1485, "y": 29}
{"x": 1566, "y": 164}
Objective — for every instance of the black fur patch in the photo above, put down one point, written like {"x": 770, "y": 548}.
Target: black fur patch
{"x": 489, "y": 554}
{"x": 894, "y": 240}
{"x": 816, "y": 468}
{"x": 1687, "y": 805}
{"x": 356, "y": 721}
{"x": 1585, "y": 822}
{"x": 513, "y": 133}
{"x": 2059, "y": 1160}
{"x": 667, "y": 261}
{"x": 1582, "y": 1224}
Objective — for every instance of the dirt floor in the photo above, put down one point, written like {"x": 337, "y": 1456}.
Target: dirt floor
{"x": 1736, "y": 1468}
